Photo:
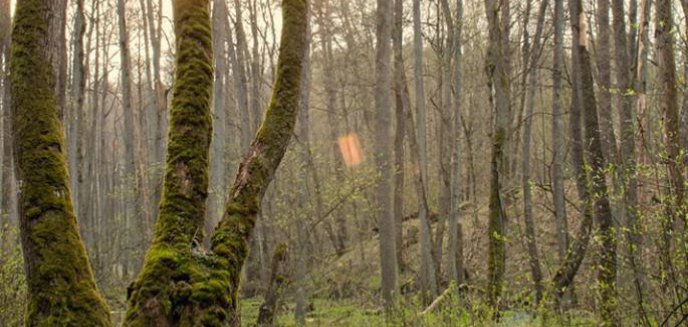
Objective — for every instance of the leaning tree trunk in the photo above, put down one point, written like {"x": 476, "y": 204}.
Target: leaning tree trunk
{"x": 62, "y": 291}
{"x": 180, "y": 285}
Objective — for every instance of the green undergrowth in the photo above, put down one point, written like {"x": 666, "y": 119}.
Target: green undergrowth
{"x": 347, "y": 313}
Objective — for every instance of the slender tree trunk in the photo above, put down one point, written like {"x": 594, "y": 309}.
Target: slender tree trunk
{"x": 383, "y": 192}
{"x": 497, "y": 68}
{"x": 77, "y": 116}
{"x": 57, "y": 42}
{"x": 202, "y": 288}
{"x": 455, "y": 247}
{"x": 241, "y": 73}
{"x": 534, "y": 258}
{"x": 625, "y": 80}
{"x": 130, "y": 136}
{"x": 339, "y": 235}
{"x": 606, "y": 277}
{"x": 674, "y": 205}
{"x": 58, "y": 271}
{"x": 8, "y": 205}
{"x": 400, "y": 132}
{"x": 603, "y": 56}
{"x": 428, "y": 279}
{"x": 567, "y": 270}
{"x": 268, "y": 310}
{"x": 301, "y": 270}
{"x": 558, "y": 142}
{"x": 218, "y": 157}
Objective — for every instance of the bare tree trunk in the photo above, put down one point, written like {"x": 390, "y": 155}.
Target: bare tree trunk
{"x": 625, "y": 79}
{"x": 7, "y": 201}
{"x": 674, "y": 206}
{"x": 400, "y": 132}
{"x": 256, "y": 68}
{"x": 606, "y": 278}
{"x": 58, "y": 271}
{"x": 218, "y": 157}
{"x": 301, "y": 270}
{"x": 603, "y": 52}
{"x": 383, "y": 192}
{"x": 130, "y": 136}
{"x": 77, "y": 116}
{"x": 241, "y": 76}
{"x": 558, "y": 142}
{"x": 8, "y": 205}
{"x": 428, "y": 279}
{"x": 533, "y": 60}
{"x": 57, "y": 42}
{"x": 568, "y": 268}
{"x": 455, "y": 256}
{"x": 339, "y": 235}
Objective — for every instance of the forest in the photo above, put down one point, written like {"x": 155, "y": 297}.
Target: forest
{"x": 179, "y": 163}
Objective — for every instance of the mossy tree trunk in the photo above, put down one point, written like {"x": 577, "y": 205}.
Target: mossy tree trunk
{"x": 180, "y": 285}
{"x": 62, "y": 291}
{"x": 497, "y": 68}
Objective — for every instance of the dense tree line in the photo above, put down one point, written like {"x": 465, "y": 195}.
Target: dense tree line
{"x": 164, "y": 160}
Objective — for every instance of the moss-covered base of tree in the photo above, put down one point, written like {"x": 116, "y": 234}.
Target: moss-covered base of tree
{"x": 181, "y": 287}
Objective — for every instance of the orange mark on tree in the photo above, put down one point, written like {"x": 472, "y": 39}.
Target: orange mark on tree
{"x": 350, "y": 148}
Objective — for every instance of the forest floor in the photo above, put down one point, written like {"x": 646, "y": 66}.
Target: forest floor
{"x": 344, "y": 289}
{"x": 344, "y": 313}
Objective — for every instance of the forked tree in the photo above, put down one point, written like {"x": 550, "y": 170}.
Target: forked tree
{"x": 181, "y": 284}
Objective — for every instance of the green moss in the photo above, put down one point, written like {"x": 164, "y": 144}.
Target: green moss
{"x": 497, "y": 244}
{"x": 181, "y": 285}
{"x": 62, "y": 290}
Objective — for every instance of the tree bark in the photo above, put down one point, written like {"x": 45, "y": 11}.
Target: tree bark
{"x": 428, "y": 279}
{"x": 58, "y": 45}
{"x": 77, "y": 121}
{"x": 241, "y": 76}
{"x": 218, "y": 153}
{"x": 558, "y": 142}
{"x": 132, "y": 203}
{"x": 383, "y": 149}
{"x": 533, "y": 60}
{"x": 62, "y": 290}
{"x": 625, "y": 80}
{"x": 456, "y": 263}
{"x": 180, "y": 285}
{"x": 497, "y": 68}
{"x": 8, "y": 204}
{"x": 674, "y": 205}
{"x": 606, "y": 277}
{"x": 400, "y": 131}
{"x": 269, "y": 309}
